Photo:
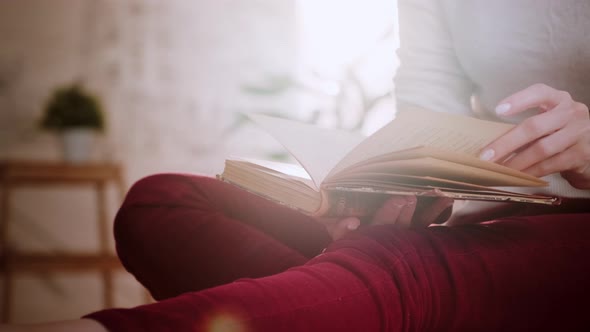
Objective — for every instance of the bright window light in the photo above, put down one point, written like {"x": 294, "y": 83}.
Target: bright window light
{"x": 333, "y": 33}
{"x": 349, "y": 46}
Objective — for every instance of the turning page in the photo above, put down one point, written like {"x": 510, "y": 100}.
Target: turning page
{"x": 317, "y": 149}
{"x": 416, "y": 127}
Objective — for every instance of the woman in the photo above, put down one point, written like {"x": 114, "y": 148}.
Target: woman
{"x": 189, "y": 239}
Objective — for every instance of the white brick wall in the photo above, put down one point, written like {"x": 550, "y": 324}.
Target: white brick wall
{"x": 169, "y": 73}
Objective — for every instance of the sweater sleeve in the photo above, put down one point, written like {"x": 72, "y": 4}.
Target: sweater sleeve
{"x": 429, "y": 75}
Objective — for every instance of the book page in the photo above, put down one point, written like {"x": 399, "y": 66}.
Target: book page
{"x": 289, "y": 190}
{"x": 417, "y": 127}
{"x": 317, "y": 149}
{"x": 442, "y": 169}
{"x": 284, "y": 170}
{"x": 459, "y": 158}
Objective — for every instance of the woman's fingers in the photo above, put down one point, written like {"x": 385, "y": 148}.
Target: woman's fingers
{"x": 528, "y": 131}
{"x": 403, "y": 211}
{"x": 409, "y": 211}
{"x": 432, "y": 211}
{"x": 344, "y": 226}
{"x": 338, "y": 227}
{"x": 544, "y": 148}
{"x": 555, "y": 140}
{"x": 396, "y": 210}
{"x": 576, "y": 157}
{"x": 578, "y": 178}
{"x": 537, "y": 95}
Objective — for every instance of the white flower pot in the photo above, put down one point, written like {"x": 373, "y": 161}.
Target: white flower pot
{"x": 78, "y": 144}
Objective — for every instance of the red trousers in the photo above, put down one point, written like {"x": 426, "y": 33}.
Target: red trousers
{"x": 220, "y": 259}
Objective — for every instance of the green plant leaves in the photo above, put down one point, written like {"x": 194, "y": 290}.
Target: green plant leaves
{"x": 72, "y": 107}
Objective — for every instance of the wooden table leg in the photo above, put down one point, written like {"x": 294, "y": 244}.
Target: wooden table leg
{"x": 103, "y": 237}
{"x": 103, "y": 224}
{"x": 4, "y": 201}
{"x": 107, "y": 281}
{"x": 7, "y": 292}
{"x": 7, "y": 272}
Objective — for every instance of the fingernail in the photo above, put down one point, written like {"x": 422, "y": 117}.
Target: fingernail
{"x": 352, "y": 226}
{"x": 502, "y": 109}
{"x": 487, "y": 154}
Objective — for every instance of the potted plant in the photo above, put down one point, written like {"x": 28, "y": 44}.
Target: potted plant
{"x": 77, "y": 116}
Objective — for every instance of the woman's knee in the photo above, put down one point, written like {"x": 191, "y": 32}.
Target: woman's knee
{"x": 154, "y": 200}
{"x": 158, "y": 210}
{"x": 167, "y": 189}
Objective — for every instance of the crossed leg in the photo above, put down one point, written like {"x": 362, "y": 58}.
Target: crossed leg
{"x": 217, "y": 254}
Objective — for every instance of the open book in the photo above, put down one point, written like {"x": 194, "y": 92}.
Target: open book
{"x": 343, "y": 173}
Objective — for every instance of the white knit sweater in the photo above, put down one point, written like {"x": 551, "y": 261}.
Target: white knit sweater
{"x": 451, "y": 50}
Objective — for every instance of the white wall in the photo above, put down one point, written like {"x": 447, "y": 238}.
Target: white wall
{"x": 169, "y": 73}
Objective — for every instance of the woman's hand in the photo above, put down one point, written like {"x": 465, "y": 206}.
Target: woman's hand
{"x": 404, "y": 211}
{"x": 557, "y": 139}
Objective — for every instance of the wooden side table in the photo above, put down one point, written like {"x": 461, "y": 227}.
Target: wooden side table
{"x": 14, "y": 174}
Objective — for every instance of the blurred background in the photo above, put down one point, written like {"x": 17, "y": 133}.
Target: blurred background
{"x": 173, "y": 79}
